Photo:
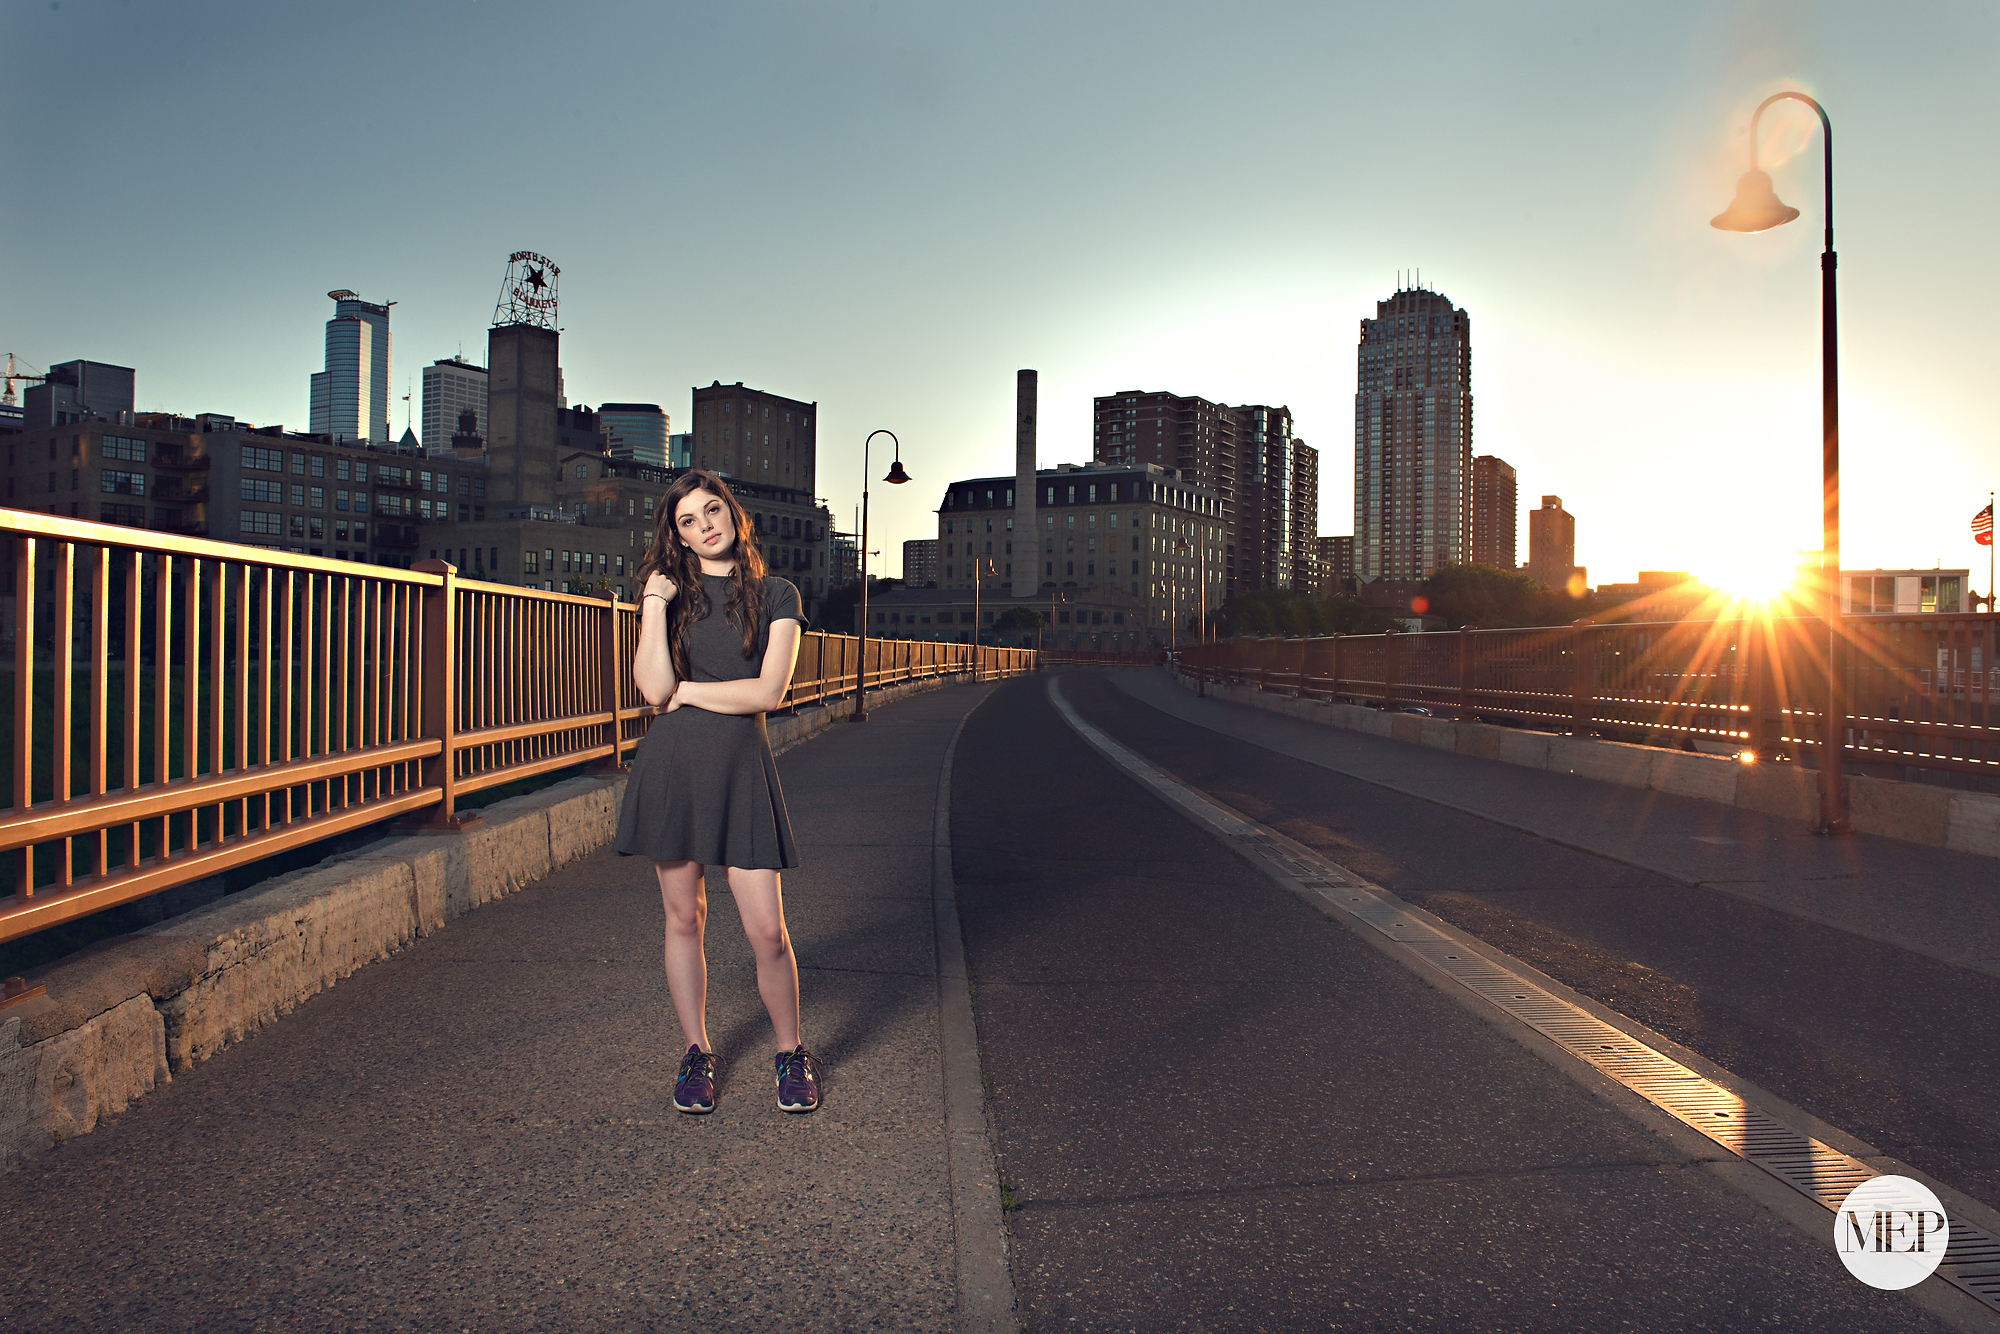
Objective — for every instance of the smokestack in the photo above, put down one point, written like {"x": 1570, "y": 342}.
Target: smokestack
{"x": 1027, "y": 542}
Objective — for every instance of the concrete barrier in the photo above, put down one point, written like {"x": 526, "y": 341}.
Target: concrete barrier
{"x": 1912, "y": 812}
{"x": 123, "y": 1015}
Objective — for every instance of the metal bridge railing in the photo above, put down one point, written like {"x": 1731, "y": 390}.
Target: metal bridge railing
{"x": 180, "y": 707}
{"x": 1915, "y": 690}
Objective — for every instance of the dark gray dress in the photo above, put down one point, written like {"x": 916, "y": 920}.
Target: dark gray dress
{"x": 703, "y": 785}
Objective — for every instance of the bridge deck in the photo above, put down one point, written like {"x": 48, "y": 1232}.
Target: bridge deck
{"x": 1215, "y": 1108}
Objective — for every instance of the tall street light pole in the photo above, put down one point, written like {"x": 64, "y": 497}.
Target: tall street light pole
{"x": 897, "y": 476}
{"x": 1757, "y": 208}
{"x": 979, "y": 565}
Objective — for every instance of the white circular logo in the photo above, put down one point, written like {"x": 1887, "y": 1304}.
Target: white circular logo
{"x": 1890, "y": 1232}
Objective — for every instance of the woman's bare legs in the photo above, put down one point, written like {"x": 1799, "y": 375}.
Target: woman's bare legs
{"x": 761, "y": 903}
{"x": 685, "y": 898}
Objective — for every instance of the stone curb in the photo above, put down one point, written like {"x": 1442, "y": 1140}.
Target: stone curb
{"x": 124, "y": 1015}
{"x": 1913, "y": 812}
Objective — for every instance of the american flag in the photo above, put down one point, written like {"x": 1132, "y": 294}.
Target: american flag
{"x": 1982, "y": 526}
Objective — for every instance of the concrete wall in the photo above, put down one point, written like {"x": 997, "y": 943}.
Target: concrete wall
{"x": 1913, "y": 812}
{"x": 124, "y": 1015}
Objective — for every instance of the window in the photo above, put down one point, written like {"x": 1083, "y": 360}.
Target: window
{"x": 123, "y": 447}
{"x": 299, "y": 465}
{"x": 263, "y": 460}
{"x": 122, "y": 483}
{"x": 298, "y": 491}
{"x": 360, "y": 470}
{"x": 319, "y": 465}
{"x": 318, "y": 494}
{"x": 257, "y": 523}
{"x": 465, "y": 484}
{"x": 298, "y": 526}
{"x": 340, "y": 500}
{"x": 423, "y": 481}
{"x": 340, "y": 470}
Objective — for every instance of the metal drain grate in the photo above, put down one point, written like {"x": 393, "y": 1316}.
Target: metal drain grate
{"x": 1972, "y": 1256}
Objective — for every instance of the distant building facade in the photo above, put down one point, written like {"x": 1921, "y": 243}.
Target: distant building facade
{"x": 1495, "y": 513}
{"x": 79, "y": 391}
{"x": 1194, "y": 437}
{"x": 452, "y": 387}
{"x": 1552, "y": 544}
{"x": 1108, "y": 539}
{"x": 755, "y": 435}
{"x": 1413, "y": 438}
{"x": 1905, "y": 592}
{"x": 1336, "y": 564}
{"x": 1248, "y": 457}
{"x": 637, "y": 432}
{"x": 920, "y": 561}
{"x": 350, "y": 398}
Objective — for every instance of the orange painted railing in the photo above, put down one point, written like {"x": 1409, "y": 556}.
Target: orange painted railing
{"x": 181, "y": 707}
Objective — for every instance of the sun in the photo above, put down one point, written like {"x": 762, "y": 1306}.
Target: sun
{"x": 1753, "y": 576}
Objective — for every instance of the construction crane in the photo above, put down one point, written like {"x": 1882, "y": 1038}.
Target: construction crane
{"x": 7, "y": 398}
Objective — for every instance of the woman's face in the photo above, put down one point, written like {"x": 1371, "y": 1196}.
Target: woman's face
{"x": 704, "y": 525}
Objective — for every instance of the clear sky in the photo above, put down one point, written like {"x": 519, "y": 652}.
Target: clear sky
{"x": 890, "y": 207}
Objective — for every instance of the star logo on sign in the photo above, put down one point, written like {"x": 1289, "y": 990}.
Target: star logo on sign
{"x": 535, "y": 279}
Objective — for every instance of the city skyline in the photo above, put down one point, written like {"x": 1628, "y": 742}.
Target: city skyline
{"x": 916, "y": 231}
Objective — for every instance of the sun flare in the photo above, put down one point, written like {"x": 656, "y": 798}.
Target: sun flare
{"x": 1753, "y": 577}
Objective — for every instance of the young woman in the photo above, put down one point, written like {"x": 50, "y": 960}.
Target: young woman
{"x": 717, "y": 640}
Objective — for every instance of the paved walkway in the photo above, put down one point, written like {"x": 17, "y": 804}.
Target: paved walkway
{"x": 477, "y": 1133}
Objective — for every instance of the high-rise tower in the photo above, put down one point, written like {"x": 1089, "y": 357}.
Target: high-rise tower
{"x": 1495, "y": 512}
{"x": 1413, "y": 438}
{"x": 350, "y": 398}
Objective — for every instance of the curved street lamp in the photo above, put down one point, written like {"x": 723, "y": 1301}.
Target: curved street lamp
{"x": 897, "y": 476}
{"x": 1757, "y": 208}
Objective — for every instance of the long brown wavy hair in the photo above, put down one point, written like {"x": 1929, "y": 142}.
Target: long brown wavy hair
{"x": 675, "y": 559}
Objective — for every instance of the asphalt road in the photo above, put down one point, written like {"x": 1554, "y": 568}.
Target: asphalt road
{"x": 1218, "y": 1109}
{"x": 1896, "y": 1048}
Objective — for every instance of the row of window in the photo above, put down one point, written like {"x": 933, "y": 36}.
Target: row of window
{"x": 257, "y": 458}
{"x": 263, "y": 523}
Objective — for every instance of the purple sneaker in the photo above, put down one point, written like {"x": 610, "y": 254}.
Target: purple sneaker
{"x": 694, "y": 1085}
{"x": 798, "y": 1080}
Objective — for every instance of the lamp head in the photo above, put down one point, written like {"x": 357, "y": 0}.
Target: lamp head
{"x": 896, "y": 473}
{"x": 1756, "y": 207}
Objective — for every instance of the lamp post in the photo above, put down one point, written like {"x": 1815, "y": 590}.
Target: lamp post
{"x": 979, "y": 567}
{"x": 1757, "y": 208}
{"x": 897, "y": 476}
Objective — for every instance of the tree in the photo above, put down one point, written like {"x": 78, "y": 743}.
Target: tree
{"x": 1493, "y": 599}
{"x": 1019, "y": 621}
{"x": 836, "y": 611}
{"x": 1276, "y": 612}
